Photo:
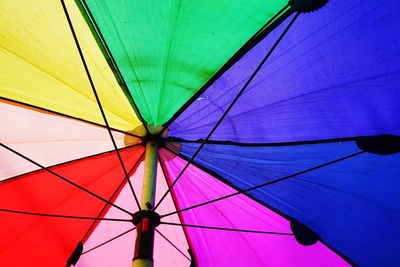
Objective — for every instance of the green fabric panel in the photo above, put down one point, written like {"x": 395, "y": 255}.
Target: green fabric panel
{"x": 166, "y": 50}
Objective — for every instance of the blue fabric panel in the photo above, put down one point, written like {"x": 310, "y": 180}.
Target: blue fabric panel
{"x": 335, "y": 74}
{"x": 353, "y": 205}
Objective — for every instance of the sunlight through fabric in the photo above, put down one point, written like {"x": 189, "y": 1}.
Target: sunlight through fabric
{"x": 41, "y": 65}
{"x": 176, "y": 45}
{"x": 47, "y": 138}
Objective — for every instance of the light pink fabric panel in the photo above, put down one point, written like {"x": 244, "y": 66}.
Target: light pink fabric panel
{"x": 223, "y": 248}
{"x": 120, "y": 251}
{"x": 47, "y": 139}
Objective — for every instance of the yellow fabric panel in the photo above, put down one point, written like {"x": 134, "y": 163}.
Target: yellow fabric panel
{"x": 40, "y": 64}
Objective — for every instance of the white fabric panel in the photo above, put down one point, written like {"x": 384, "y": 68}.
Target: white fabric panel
{"x": 47, "y": 139}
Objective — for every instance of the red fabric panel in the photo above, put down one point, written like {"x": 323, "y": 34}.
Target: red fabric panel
{"x": 42, "y": 241}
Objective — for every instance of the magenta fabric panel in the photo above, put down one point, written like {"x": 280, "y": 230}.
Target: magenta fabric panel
{"x": 225, "y": 248}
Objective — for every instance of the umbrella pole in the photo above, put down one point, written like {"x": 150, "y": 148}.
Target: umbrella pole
{"x": 145, "y": 228}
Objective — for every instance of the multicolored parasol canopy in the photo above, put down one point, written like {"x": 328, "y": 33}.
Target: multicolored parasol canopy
{"x": 274, "y": 125}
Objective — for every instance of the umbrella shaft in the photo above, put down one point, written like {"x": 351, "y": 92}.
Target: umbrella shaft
{"x": 145, "y": 229}
{"x": 150, "y": 176}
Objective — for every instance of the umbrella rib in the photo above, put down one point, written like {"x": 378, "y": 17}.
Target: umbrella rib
{"x": 175, "y": 202}
{"x": 268, "y": 27}
{"x": 62, "y": 216}
{"x": 112, "y": 63}
{"x": 109, "y": 240}
{"x": 230, "y": 106}
{"x": 16, "y": 102}
{"x": 66, "y": 162}
{"x": 64, "y": 179}
{"x": 229, "y": 184}
{"x": 98, "y": 100}
{"x": 228, "y": 229}
{"x": 113, "y": 195}
{"x": 169, "y": 241}
{"x": 267, "y": 183}
{"x": 233, "y": 143}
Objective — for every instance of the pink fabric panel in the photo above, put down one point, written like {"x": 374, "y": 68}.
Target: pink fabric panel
{"x": 120, "y": 251}
{"x": 223, "y": 248}
{"x": 47, "y": 139}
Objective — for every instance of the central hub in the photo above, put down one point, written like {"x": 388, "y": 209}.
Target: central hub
{"x": 148, "y": 217}
{"x": 157, "y": 138}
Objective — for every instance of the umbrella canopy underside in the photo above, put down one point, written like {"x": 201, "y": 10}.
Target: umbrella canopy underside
{"x": 267, "y": 120}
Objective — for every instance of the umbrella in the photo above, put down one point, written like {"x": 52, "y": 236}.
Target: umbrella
{"x": 201, "y": 133}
